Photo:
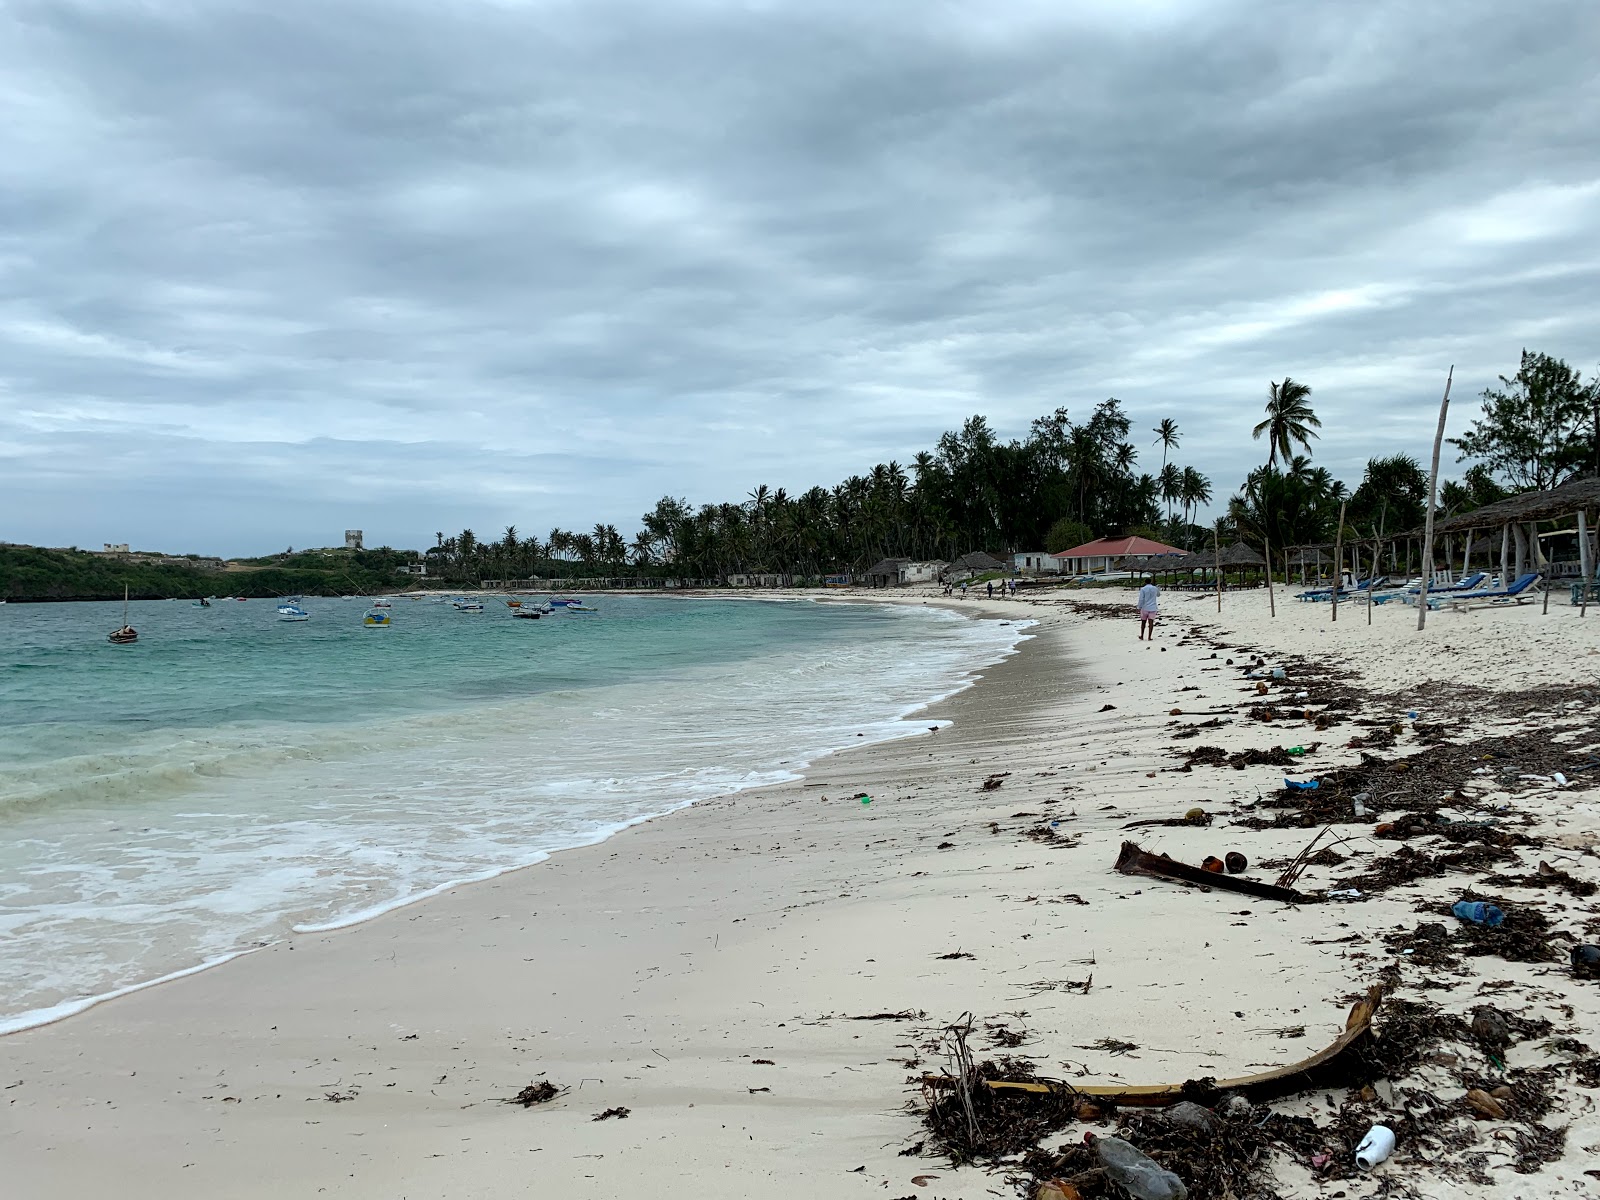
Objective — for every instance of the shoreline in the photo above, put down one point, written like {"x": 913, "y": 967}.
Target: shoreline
{"x": 710, "y": 971}
{"x": 899, "y": 730}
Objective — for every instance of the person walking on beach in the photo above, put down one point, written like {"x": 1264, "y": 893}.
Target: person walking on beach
{"x": 990, "y": 587}
{"x": 1149, "y": 601}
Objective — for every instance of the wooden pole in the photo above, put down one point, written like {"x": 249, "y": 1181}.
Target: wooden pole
{"x": 1338, "y": 560}
{"x": 1583, "y": 558}
{"x": 1377, "y": 560}
{"x": 1266, "y": 553}
{"x": 1466, "y": 555}
{"x": 1505, "y": 555}
{"x": 1433, "y": 492}
{"x": 1216, "y": 559}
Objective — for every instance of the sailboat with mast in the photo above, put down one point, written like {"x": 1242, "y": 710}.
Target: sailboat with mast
{"x": 126, "y": 633}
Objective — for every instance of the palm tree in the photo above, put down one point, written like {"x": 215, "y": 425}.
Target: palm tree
{"x": 1171, "y": 484}
{"x": 1194, "y": 489}
{"x": 1289, "y": 419}
{"x": 1167, "y": 436}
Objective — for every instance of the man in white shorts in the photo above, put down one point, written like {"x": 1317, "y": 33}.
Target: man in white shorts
{"x": 1149, "y": 602}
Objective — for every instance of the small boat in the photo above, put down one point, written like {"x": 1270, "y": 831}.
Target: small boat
{"x": 124, "y": 634}
{"x": 377, "y": 618}
{"x": 382, "y": 603}
{"x": 513, "y": 603}
{"x": 559, "y": 603}
{"x": 529, "y": 614}
{"x": 465, "y": 605}
{"x": 292, "y": 612}
{"x": 581, "y": 608}
{"x": 241, "y": 599}
{"x": 203, "y": 602}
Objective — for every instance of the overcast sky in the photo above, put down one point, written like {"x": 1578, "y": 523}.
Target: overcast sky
{"x": 277, "y": 268}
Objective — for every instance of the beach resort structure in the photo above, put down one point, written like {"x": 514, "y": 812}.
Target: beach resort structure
{"x": 1102, "y": 553}
{"x": 968, "y": 565}
{"x": 898, "y": 572}
{"x": 1035, "y": 562}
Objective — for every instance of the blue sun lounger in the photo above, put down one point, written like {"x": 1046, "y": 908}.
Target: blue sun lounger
{"x": 1514, "y": 593}
{"x": 1327, "y": 592}
{"x": 1461, "y": 585}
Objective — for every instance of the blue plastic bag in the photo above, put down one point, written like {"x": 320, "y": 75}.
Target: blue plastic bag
{"x": 1478, "y": 912}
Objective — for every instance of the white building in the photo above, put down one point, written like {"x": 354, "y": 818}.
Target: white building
{"x": 352, "y": 539}
{"x": 1036, "y": 562}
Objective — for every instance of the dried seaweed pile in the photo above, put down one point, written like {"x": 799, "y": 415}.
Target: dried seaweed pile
{"x": 971, "y": 1123}
{"x": 1524, "y": 935}
{"x": 1226, "y": 1156}
{"x": 1545, "y": 877}
{"x": 1216, "y": 756}
{"x": 1417, "y": 786}
{"x": 1227, "y": 1148}
{"x": 1408, "y": 864}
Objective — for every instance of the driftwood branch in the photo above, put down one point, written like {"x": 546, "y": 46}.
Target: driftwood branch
{"x": 1134, "y": 861}
{"x": 1331, "y": 1066}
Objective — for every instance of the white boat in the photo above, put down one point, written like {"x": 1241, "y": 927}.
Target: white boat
{"x": 581, "y": 608}
{"x": 382, "y": 602}
{"x": 292, "y": 612}
{"x": 465, "y": 605}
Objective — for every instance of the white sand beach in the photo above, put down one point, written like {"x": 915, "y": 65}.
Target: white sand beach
{"x": 702, "y": 971}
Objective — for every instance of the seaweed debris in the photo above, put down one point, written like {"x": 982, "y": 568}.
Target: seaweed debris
{"x": 535, "y": 1093}
{"x": 1216, "y": 756}
{"x": 1408, "y": 864}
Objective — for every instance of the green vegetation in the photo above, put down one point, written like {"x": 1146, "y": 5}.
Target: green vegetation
{"x": 32, "y": 573}
{"x": 1540, "y": 428}
{"x": 1065, "y": 483}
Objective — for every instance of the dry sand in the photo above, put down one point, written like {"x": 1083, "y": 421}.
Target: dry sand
{"x": 702, "y": 970}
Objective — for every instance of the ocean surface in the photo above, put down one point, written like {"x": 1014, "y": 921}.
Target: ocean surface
{"x": 231, "y": 778}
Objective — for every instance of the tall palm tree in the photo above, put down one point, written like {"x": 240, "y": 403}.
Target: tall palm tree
{"x": 1289, "y": 419}
{"x": 1194, "y": 489}
{"x": 1171, "y": 483}
{"x": 1167, "y": 436}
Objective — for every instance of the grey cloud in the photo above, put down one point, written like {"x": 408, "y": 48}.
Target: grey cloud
{"x": 541, "y": 262}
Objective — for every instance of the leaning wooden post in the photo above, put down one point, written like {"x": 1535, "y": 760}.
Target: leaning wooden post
{"x": 1216, "y": 559}
{"x": 1266, "y": 553}
{"x": 1583, "y": 558}
{"x": 1338, "y": 560}
{"x": 1433, "y": 492}
{"x": 1377, "y": 565}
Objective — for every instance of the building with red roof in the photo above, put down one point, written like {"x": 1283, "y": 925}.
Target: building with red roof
{"x": 1099, "y": 554}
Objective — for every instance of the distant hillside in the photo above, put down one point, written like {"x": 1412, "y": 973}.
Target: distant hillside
{"x": 33, "y": 573}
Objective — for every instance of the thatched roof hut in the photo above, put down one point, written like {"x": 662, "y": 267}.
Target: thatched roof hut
{"x": 1233, "y": 557}
{"x": 976, "y": 563}
{"x": 888, "y": 568}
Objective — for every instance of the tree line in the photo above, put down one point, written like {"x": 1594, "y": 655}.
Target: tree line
{"x": 1064, "y": 483}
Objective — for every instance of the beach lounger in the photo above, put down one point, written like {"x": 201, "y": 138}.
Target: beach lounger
{"x": 1516, "y": 594}
{"x": 1327, "y": 592}
{"x": 1461, "y": 585}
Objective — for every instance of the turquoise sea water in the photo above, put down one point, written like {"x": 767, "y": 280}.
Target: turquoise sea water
{"x": 231, "y": 778}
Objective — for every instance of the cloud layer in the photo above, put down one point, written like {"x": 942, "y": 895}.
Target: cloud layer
{"x": 276, "y": 268}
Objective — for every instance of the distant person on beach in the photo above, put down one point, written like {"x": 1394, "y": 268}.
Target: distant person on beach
{"x": 963, "y": 589}
{"x": 990, "y": 587}
{"x": 1149, "y": 602}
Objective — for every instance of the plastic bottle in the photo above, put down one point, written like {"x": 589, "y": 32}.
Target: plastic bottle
{"x": 1478, "y": 912}
{"x": 1359, "y": 806}
{"x": 1136, "y": 1173}
{"x": 1375, "y": 1147}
